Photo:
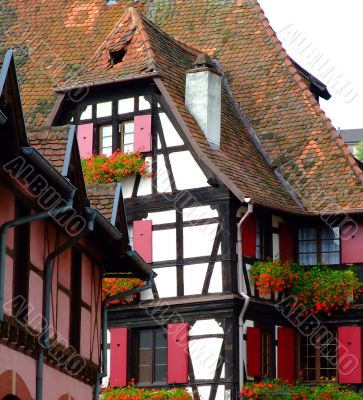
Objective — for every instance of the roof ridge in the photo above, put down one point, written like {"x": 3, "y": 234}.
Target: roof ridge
{"x": 146, "y": 40}
{"x": 309, "y": 96}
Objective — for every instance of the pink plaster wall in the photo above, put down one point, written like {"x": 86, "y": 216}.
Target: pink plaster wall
{"x": 64, "y": 277}
{"x": 7, "y": 212}
{"x": 9, "y": 276}
{"x": 24, "y": 366}
{"x": 86, "y": 279}
{"x": 96, "y": 318}
{"x": 57, "y": 384}
{"x": 37, "y": 244}
{"x": 85, "y": 333}
{"x": 63, "y": 318}
{"x": 35, "y": 301}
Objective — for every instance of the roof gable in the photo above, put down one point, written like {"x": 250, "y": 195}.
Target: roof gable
{"x": 126, "y": 52}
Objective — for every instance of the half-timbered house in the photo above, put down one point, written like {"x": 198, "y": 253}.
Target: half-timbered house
{"x": 245, "y": 166}
{"x": 55, "y": 249}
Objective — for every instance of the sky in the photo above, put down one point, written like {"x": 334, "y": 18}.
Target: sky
{"x": 325, "y": 38}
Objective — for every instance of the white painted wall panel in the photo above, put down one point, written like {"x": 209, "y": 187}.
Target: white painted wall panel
{"x": 216, "y": 284}
{"x": 127, "y": 186}
{"x": 194, "y": 277}
{"x": 205, "y": 356}
{"x": 164, "y": 245}
{"x": 162, "y": 217}
{"x": 198, "y": 240}
{"x": 166, "y": 281}
{"x": 87, "y": 113}
{"x": 172, "y": 137}
{"x": 276, "y": 246}
{"x": 205, "y": 327}
{"x": 187, "y": 173}
{"x": 162, "y": 176}
{"x": 204, "y": 392}
{"x": 202, "y": 212}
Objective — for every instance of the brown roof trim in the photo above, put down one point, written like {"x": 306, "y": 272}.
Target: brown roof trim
{"x": 64, "y": 89}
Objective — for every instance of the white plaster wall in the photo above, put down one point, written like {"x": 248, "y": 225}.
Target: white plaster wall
{"x": 164, "y": 245}
{"x": 187, "y": 173}
{"x": 172, "y": 137}
{"x": 199, "y": 239}
{"x": 166, "y": 282}
{"x": 202, "y": 212}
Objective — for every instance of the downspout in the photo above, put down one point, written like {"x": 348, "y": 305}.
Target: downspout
{"x": 104, "y": 369}
{"x": 13, "y": 224}
{"x": 242, "y": 293}
{"x": 46, "y": 299}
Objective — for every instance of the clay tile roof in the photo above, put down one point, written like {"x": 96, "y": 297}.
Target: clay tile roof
{"x": 299, "y": 140}
{"x": 126, "y": 52}
{"x": 102, "y": 198}
{"x": 52, "y": 144}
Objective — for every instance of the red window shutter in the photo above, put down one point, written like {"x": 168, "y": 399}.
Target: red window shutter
{"x": 85, "y": 140}
{"x": 249, "y": 237}
{"x": 253, "y": 351}
{"x": 118, "y": 359}
{"x": 178, "y": 353}
{"x": 286, "y": 354}
{"x": 142, "y": 140}
{"x": 350, "y": 354}
{"x": 286, "y": 242}
{"x": 352, "y": 239}
{"x": 143, "y": 239}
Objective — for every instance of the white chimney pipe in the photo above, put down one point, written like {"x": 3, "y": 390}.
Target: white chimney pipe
{"x": 203, "y": 98}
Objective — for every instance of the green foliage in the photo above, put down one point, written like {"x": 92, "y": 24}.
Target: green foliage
{"x": 133, "y": 393}
{"x": 277, "y": 390}
{"x": 359, "y": 153}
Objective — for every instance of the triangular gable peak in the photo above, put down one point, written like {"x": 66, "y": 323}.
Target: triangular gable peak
{"x": 126, "y": 52}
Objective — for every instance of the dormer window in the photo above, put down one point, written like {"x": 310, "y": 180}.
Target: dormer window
{"x": 117, "y": 57}
{"x": 123, "y": 124}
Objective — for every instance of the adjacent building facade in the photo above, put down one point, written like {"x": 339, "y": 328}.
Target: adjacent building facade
{"x": 55, "y": 248}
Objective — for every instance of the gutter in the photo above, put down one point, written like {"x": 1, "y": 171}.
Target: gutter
{"x": 46, "y": 299}
{"x": 242, "y": 292}
{"x": 148, "y": 285}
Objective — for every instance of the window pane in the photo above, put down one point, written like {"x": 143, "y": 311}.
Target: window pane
{"x": 160, "y": 373}
{"x": 145, "y": 357}
{"x": 307, "y": 234}
{"x": 104, "y": 109}
{"x": 128, "y": 138}
{"x": 128, "y": 148}
{"x": 143, "y": 103}
{"x": 105, "y": 130}
{"x": 128, "y": 127}
{"x": 126, "y": 105}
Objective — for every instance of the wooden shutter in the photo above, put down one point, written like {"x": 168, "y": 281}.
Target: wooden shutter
{"x": 253, "y": 351}
{"x": 286, "y": 354}
{"x": 143, "y": 239}
{"x": 118, "y": 359}
{"x": 142, "y": 140}
{"x": 85, "y": 140}
{"x": 178, "y": 353}
{"x": 350, "y": 354}
{"x": 352, "y": 239}
{"x": 286, "y": 242}
{"x": 249, "y": 237}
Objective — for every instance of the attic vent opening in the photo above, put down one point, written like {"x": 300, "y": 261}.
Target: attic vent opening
{"x": 117, "y": 56}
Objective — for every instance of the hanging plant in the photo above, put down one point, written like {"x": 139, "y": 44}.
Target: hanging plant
{"x": 272, "y": 276}
{"x": 103, "y": 169}
{"x": 323, "y": 289}
{"x": 114, "y": 286}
